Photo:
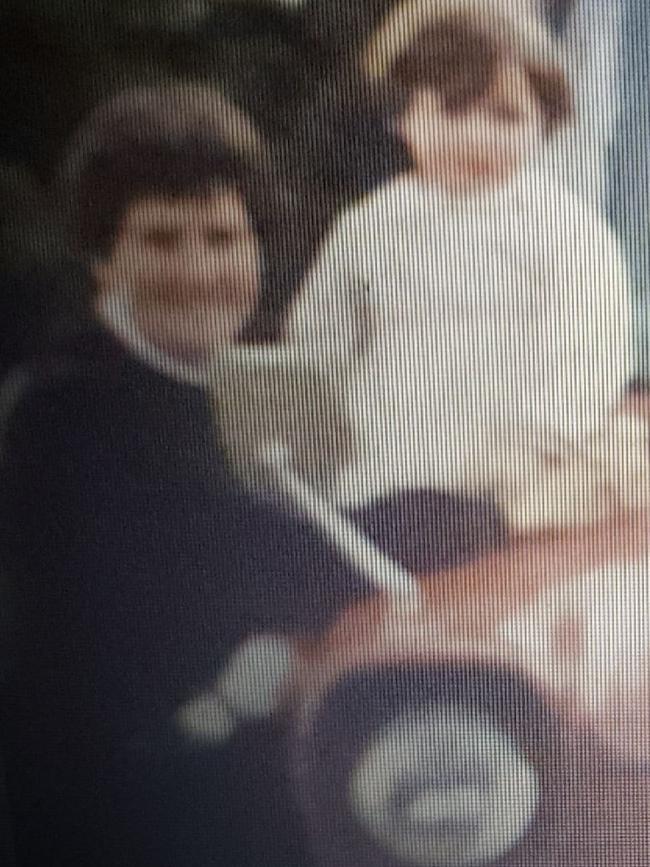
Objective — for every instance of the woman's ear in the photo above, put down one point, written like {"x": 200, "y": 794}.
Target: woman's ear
{"x": 102, "y": 270}
{"x": 97, "y": 267}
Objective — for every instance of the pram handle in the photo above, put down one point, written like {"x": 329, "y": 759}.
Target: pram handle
{"x": 262, "y": 397}
{"x": 381, "y": 571}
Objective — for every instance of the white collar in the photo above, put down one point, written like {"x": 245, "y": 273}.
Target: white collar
{"x": 516, "y": 189}
{"x": 115, "y": 311}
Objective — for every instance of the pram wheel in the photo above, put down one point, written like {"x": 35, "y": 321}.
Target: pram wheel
{"x": 423, "y": 766}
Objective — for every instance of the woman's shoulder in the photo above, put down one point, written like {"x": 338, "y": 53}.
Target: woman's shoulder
{"x": 84, "y": 363}
{"x": 95, "y": 358}
{"x": 89, "y": 388}
{"x": 60, "y": 369}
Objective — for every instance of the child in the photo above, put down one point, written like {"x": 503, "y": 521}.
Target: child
{"x": 477, "y": 313}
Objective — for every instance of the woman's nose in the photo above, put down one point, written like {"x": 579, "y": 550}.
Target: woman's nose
{"x": 195, "y": 264}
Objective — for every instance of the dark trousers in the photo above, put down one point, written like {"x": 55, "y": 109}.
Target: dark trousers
{"x": 427, "y": 530}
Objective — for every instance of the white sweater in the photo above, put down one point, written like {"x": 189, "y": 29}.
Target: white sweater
{"x": 471, "y": 336}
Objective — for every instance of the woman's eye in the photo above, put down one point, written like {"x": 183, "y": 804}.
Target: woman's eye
{"x": 161, "y": 239}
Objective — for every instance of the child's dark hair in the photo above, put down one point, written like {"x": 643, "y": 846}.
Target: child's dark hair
{"x": 458, "y": 59}
{"x": 169, "y": 141}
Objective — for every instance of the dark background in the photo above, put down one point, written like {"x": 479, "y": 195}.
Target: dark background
{"x": 57, "y": 57}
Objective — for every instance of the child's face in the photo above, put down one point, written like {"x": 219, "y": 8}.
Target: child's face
{"x": 191, "y": 266}
{"x": 481, "y": 146}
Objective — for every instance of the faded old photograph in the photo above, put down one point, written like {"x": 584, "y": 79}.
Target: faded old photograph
{"x": 325, "y": 433}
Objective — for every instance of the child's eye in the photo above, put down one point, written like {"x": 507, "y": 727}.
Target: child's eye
{"x": 507, "y": 112}
{"x": 218, "y": 236}
{"x": 161, "y": 239}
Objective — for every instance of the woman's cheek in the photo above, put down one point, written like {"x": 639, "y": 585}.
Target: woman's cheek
{"x": 241, "y": 275}
{"x": 149, "y": 273}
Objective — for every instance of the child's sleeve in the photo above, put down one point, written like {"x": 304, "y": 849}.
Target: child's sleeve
{"x": 327, "y": 320}
{"x": 600, "y": 463}
{"x": 604, "y": 299}
{"x": 585, "y": 323}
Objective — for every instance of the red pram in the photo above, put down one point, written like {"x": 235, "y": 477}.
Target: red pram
{"x": 496, "y": 714}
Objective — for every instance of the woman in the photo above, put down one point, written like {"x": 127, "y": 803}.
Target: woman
{"x": 137, "y": 565}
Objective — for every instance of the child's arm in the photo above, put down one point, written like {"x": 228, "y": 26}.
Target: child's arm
{"x": 597, "y": 463}
{"x": 327, "y": 319}
{"x": 582, "y": 333}
{"x": 602, "y": 295}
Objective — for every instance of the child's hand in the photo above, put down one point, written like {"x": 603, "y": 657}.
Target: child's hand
{"x": 606, "y": 476}
{"x": 560, "y": 497}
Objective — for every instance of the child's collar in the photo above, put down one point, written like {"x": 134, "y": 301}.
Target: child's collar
{"x": 491, "y": 196}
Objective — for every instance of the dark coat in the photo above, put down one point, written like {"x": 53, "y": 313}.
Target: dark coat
{"x": 135, "y": 566}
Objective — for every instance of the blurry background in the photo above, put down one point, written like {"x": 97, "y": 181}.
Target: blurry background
{"x": 286, "y": 62}
{"x": 57, "y": 57}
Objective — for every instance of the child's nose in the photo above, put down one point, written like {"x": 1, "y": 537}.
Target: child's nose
{"x": 509, "y": 100}
{"x": 508, "y": 111}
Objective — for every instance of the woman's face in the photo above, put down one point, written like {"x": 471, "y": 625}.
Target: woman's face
{"x": 484, "y": 145}
{"x": 191, "y": 266}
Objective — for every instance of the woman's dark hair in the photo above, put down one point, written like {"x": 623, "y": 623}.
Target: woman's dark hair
{"x": 170, "y": 141}
{"x": 460, "y": 61}
{"x": 178, "y": 140}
